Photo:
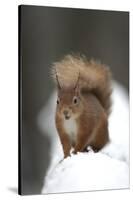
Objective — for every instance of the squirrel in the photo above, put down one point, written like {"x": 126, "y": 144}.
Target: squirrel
{"x": 83, "y": 103}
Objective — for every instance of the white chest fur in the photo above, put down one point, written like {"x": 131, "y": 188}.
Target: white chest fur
{"x": 70, "y": 126}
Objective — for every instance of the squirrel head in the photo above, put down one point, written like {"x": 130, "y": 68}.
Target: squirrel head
{"x": 69, "y": 102}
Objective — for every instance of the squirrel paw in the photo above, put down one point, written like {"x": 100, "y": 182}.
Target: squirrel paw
{"x": 67, "y": 155}
{"x": 74, "y": 151}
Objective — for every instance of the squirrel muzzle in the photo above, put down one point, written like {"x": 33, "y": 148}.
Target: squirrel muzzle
{"x": 66, "y": 114}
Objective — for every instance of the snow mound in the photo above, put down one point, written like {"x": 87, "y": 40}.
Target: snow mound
{"x": 107, "y": 169}
{"x": 87, "y": 171}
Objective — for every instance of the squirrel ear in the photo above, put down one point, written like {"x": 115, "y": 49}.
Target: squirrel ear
{"x": 58, "y": 83}
{"x": 76, "y": 88}
{"x": 58, "y": 86}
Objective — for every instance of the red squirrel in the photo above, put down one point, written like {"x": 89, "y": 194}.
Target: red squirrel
{"x": 83, "y": 103}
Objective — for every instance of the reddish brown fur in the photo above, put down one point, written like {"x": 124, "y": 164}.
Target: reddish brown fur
{"x": 92, "y": 93}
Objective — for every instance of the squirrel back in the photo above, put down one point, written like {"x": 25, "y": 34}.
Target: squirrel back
{"x": 92, "y": 76}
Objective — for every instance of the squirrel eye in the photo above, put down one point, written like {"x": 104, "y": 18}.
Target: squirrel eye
{"x": 58, "y": 101}
{"x": 75, "y": 100}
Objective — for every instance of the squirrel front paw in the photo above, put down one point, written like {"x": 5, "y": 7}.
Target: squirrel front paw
{"x": 74, "y": 151}
{"x": 66, "y": 155}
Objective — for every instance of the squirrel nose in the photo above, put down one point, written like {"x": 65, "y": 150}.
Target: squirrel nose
{"x": 65, "y": 112}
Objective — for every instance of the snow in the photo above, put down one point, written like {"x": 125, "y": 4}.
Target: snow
{"x": 83, "y": 172}
{"x": 107, "y": 169}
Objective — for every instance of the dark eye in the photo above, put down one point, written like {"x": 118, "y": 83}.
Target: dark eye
{"x": 75, "y": 100}
{"x": 58, "y": 101}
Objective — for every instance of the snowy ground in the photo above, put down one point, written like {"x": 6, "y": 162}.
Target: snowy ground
{"x": 108, "y": 169}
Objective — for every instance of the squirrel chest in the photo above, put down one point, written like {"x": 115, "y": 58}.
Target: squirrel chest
{"x": 71, "y": 128}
